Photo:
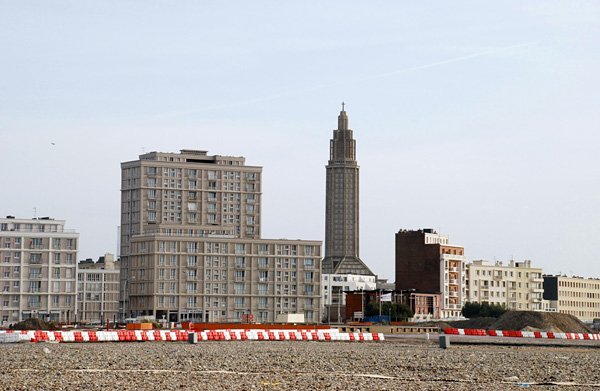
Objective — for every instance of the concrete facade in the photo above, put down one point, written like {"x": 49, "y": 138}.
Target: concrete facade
{"x": 191, "y": 246}
{"x": 38, "y": 270}
{"x": 98, "y": 290}
{"x": 426, "y": 262}
{"x": 342, "y": 205}
{"x": 576, "y": 296}
{"x": 516, "y": 286}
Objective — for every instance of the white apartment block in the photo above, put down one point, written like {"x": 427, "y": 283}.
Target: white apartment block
{"x": 191, "y": 247}
{"x": 98, "y": 290}
{"x": 576, "y": 296}
{"x": 38, "y": 270}
{"x": 516, "y": 286}
{"x": 333, "y": 288}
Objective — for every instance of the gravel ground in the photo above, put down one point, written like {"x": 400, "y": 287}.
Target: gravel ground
{"x": 288, "y": 365}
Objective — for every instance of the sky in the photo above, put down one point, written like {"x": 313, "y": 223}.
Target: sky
{"x": 477, "y": 119}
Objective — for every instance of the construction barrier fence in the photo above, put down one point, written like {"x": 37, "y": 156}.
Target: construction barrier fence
{"x": 522, "y": 334}
{"x": 330, "y": 335}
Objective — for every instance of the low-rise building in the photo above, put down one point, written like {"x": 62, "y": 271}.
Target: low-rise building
{"x": 333, "y": 292}
{"x": 98, "y": 290}
{"x": 576, "y": 296}
{"x": 516, "y": 286}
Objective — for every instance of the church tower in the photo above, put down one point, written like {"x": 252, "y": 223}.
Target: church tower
{"x": 341, "y": 206}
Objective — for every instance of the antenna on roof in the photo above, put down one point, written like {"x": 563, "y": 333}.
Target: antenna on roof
{"x": 34, "y": 212}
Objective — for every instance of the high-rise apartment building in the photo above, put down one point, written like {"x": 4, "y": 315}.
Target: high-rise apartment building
{"x": 576, "y": 296}
{"x": 191, "y": 247}
{"x": 341, "y": 205}
{"x": 516, "y": 286}
{"x": 426, "y": 262}
{"x": 98, "y": 290}
{"x": 39, "y": 270}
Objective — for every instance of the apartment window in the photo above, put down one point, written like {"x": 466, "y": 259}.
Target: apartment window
{"x": 35, "y": 286}
{"x": 239, "y": 302}
{"x": 35, "y": 258}
{"x": 238, "y": 288}
{"x": 309, "y": 263}
{"x": 34, "y": 301}
{"x": 191, "y": 287}
{"x": 263, "y": 263}
{"x": 192, "y": 261}
{"x": 240, "y": 262}
{"x": 36, "y": 243}
{"x": 240, "y": 275}
{"x": 55, "y": 272}
{"x": 263, "y": 276}
{"x": 192, "y": 247}
{"x": 240, "y": 248}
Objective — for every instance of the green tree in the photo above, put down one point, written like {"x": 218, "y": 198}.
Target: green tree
{"x": 484, "y": 309}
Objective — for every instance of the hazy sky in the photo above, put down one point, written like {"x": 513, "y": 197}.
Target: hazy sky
{"x": 478, "y": 119}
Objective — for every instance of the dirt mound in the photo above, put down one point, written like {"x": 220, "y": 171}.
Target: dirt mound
{"x": 519, "y": 320}
{"x": 539, "y": 321}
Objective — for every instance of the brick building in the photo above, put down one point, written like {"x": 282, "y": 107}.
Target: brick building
{"x": 427, "y": 262}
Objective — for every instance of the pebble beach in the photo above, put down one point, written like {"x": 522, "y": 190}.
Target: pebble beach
{"x": 289, "y": 365}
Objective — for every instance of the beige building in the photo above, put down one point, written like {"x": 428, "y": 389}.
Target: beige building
{"x": 38, "y": 270}
{"x": 191, "y": 246}
{"x": 98, "y": 290}
{"x": 576, "y": 296}
{"x": 516, "y": 286}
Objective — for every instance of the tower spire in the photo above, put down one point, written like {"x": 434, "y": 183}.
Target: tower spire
{"x": 343, "y": 118}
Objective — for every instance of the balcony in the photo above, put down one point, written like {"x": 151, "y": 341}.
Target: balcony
{"x": 538, "y": 290}
{"x": 453, "y": 294}
{"x": 453, "y": 269}
{"x": 446, "y": 257}
{"x": 537, "y": 280}
{"x": 453, "y": 281}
